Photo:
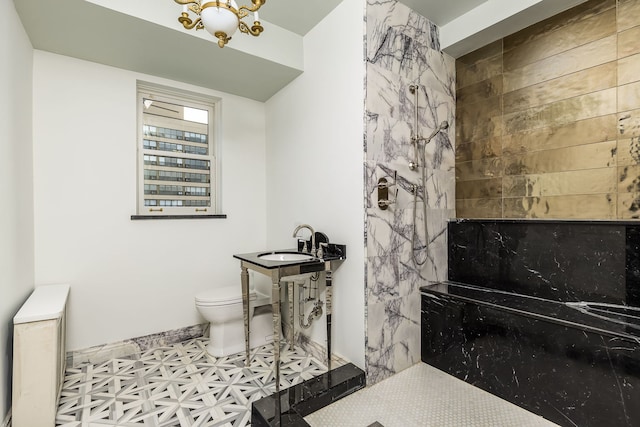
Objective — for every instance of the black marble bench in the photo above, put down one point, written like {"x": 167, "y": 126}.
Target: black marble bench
{"x": 545, "y": 314}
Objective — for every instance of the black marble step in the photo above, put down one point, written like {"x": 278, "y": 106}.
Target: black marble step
{"x": 300, "y": 400}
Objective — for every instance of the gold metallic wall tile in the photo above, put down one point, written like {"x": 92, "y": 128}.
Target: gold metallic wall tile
{"x": 628, "y": 14}
{"x": 480, "y": 91}
{"x": 479, "y": 208}
{"x": 580, "y": 58}
{"x": 483, "y": 70}
{"x": 629, "y": 96}
{"x": 629, "y": 123}
{"x": 629, "y": 42}
{"x": 569, "y": 110}
{"x": 482, "y": 54}
{"x": 578, "y": 13}
{"x": 597, "y": 129}
{"x": 479, "y": 189}
{"x": 628, "y": 205}
{"x": 566, "y": 38}
{"x": 479, "y": 121}
{"x": 575, "y": 84}
{"x": 479, "y": 149}
{"x": 629, "y": 179}
{"x": 591, "y": 206}
{"x": 568, "y": 119}
{"x": 628, "y": 69}
{"x": 590, "y": 181}
{"x": 479, "y": 169}
{"x": 629, "y": 151}
{"x": 588, "y": 156}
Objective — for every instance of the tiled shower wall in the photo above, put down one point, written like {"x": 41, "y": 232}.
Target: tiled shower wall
{"x": 549, "y": 119}
{"x": 403, "y": 49}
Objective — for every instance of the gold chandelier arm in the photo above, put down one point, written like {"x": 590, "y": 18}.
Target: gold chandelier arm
{"x": 257, "y": 4}
{"x": 254, "y": 30}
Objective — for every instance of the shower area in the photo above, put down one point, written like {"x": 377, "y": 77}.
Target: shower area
{"x": 409, "y": 155}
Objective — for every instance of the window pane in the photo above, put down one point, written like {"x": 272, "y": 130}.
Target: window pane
{"x": 172, "y": 129}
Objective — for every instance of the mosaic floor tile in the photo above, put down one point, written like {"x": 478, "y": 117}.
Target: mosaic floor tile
{"x": 423, "y": 396}
{"x": 178, "y": 385}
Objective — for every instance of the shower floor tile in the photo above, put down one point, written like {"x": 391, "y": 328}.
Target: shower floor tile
{"x": 178, "y": 385}
{"x": 423, "y": 396}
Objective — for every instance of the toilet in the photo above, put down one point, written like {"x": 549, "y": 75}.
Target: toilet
{"x": 222, "y": 308}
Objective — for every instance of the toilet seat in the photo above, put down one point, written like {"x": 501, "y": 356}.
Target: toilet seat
{"x": 222, "y": 296}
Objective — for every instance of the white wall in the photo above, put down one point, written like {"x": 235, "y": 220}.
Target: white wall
{"x": 315, "y": 163}
{"x": 16, "y": 185}
{"x": 131, "y": 278}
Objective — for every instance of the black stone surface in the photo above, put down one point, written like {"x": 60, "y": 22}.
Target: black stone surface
{"x": 596, "y": 261}
{"x": 551, "y": 364}
{"x": 300, "y": 400}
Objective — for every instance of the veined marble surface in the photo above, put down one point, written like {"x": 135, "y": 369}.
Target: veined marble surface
{"x": 132, "y": 348}
{"x": 403, "y": 50}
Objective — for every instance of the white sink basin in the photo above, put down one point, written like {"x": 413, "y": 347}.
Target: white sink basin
{"x": 285, "y": 256}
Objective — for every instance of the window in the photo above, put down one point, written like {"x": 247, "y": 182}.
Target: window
{"x": 176, "y": 153}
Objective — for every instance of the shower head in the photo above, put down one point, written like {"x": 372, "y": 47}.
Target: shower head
{"x": 444, "y": 125}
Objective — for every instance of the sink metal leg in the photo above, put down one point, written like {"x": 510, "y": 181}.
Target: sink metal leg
{"x": 329, "y": 298}
{"x": 244, "y": 279}
{"x": 292, "y": 320}
{"x": 275, "y": 303}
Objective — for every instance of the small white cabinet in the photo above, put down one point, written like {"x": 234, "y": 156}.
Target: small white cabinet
{"x": 39, "y": 356}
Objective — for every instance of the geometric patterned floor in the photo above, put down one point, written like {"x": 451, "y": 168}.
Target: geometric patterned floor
{"x": 178, "y": 385}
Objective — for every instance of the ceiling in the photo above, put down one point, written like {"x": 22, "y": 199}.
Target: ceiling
{"x": 141, "y": 35}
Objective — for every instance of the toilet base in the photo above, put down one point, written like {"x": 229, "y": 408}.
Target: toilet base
{"x": 261, "y": 334}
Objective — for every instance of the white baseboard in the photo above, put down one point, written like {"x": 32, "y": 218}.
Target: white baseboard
{"x": 7, "y": 420}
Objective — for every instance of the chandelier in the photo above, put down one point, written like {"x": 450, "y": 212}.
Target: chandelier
{"x": 221, "y": 18}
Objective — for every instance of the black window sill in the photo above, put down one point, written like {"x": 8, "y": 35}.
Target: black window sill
{"x": 139, "y": 217}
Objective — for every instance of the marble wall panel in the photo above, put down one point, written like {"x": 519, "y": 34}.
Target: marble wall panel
{"x": 402, "y": 50}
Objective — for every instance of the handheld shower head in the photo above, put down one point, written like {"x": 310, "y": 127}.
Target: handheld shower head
{"x": 444, "y": 125}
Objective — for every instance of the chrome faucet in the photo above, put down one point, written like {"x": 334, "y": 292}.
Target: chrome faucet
{"x": 313, "y": 238}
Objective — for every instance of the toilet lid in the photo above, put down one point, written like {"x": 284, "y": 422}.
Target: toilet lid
{"x": 223, "y": 296}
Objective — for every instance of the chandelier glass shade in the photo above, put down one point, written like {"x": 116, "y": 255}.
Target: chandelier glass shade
{"x": 221, "y": 18}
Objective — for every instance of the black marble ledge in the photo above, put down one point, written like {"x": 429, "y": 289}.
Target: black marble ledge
{"x": 300, "y": 400}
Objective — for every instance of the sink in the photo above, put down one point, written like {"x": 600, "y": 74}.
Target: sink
{"x": 285, "y": 256}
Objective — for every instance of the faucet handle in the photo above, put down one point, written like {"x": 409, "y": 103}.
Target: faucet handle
{"x": 322, "y": 247}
